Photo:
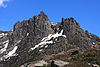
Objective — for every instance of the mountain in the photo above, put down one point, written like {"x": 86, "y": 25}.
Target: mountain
{"x": 36, "y": 38}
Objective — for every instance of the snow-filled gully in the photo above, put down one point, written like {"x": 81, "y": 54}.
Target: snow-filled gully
{"x": 47, "y": 40}
{"x": 5, "y": 46}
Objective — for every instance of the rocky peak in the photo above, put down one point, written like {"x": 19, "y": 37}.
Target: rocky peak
{"x": 41, "y": 16}
{"x": 37, "y": 37}
{"x": 71, "y": 21}
{"x": 39, "y": 26}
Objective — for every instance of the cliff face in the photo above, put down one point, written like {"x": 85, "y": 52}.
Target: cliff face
{"x": 33, "y": 39}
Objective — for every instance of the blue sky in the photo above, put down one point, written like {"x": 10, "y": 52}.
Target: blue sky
{"x": 86, "y": 12}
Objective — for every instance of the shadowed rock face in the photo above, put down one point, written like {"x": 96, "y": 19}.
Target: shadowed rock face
{"x": 38, "y": 37}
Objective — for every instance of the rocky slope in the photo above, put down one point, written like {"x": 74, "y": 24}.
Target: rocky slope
{"x": 36, "y": 38}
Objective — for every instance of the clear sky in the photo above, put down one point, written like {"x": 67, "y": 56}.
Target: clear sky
{"x": 86, "y": 12}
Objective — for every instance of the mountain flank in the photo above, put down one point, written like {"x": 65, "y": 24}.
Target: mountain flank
{"x": 38, "y": 39}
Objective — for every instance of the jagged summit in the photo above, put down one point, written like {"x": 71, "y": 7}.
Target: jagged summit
{"x": 36, "y": 38}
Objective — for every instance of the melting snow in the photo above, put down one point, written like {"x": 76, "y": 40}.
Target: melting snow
{"x": 54, "y": 36}
{"x": 58, "y": 34}
{"x": 5, "y": 46}
{"x": 27, "y": 34}
{"x": 46, "y": 46}
{"x": 47, "y": 40}
{"x": 3, "y": 34}
{"x": 41, "y": 50}
{"x": 42, "y": 44}
{"x": 93, "y": 42}
{"x": 12, "y": 53}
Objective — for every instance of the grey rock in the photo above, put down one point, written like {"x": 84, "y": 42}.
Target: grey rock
{"x": 29, "y": 33}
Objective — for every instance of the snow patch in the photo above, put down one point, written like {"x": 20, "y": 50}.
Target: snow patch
{"x": 47, "y": 40}
{"x": 53, "y": 36}
{"x": 42, "y": 44}
{"x": 5, "y": 46}
{"x": 3, "y": 34}
{"x": 41, "y": 50}
{"x": 27, "y": 34}
{"x": 46, "y": 46}
{"x": 93, "y": 42}
{"x": 12, "y": 53}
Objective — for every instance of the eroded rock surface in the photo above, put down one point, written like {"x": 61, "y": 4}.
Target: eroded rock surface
{"x": 33, "y": 39}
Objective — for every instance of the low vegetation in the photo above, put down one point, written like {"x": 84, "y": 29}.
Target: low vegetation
{"x": 91, "y": 56}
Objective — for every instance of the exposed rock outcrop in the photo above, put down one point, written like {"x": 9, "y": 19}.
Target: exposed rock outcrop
{"x": 37, "y": 37}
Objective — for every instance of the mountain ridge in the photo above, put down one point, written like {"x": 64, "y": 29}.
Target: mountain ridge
{"x": 33, "y": 39}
